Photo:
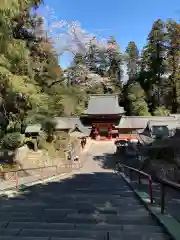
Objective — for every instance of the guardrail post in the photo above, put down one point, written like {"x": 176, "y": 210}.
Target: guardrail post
{"x": 162, "y": 198}
{"x": 139, "y": 179}
{"x": 130, "y": 174}
{"x": 17, "y": 180}
{"x": 108, "y": 236}
{"x": 150, "y": 190}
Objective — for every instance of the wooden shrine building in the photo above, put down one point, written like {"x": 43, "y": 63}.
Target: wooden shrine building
{"x": 102, "y": 115}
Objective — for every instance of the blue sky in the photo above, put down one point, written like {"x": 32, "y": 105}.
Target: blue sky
{"x": 125, "y": 20}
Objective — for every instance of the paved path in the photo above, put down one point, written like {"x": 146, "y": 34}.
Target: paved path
{"x": 97, "y": 156}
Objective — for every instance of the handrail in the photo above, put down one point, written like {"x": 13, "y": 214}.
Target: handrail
{"x": 50, "y": 166}
{"x": 163, "y": 182}
{"x": 28, "y": 169}
{"x": 135, "y": 170}
{"x": 169, "y": 184}
{"x": 140, "y": 173}
{"x": 40, "y": 168}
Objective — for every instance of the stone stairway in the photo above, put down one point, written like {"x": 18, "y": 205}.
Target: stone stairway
{"x": 35, "y": 158}
{"x": 86, "y": 206}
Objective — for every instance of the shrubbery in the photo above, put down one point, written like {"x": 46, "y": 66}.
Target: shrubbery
{"x": 12, "y": 140}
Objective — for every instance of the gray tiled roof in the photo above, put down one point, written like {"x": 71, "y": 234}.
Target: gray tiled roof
{"x": 141, "y": 121}
{"x": 177, "y": 116}
{"x": 104, "y": 104}
{"x": 34, "y": 128}
{"x": 132, "y": 122}
{"x": 171, "y": 124}
{"x": 63, "y": 123}
{"x": 71, "y": 123}
{"x": 82, "y": 129}
{"x": 78, "y": 134}
{"x": 144, "y": 139}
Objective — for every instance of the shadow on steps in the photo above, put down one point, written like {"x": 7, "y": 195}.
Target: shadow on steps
{"x": 85, "y": 206}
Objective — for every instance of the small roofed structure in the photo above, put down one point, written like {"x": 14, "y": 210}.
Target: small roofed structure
{"x": 63, "y": 124}
{"x": 161, "y": 129}
{"x": 33, "y": 130}
{"x": 70, "y": 125}
{"x": 79, "y": 132}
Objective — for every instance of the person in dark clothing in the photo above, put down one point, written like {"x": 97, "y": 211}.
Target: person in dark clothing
{"x": 85, "y": 141}
{"x": 82, "y": 143}
{"x": 69, "y": 155}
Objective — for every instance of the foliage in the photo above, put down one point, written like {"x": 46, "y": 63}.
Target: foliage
{"x": 132, "y": 59}
{"x": 34, "y": 87}
{"x": 156, "y": 70}
{"x": 136, "y": 97}
{"x": 32, "y": 82}
{"x": 161, "y": 111}
{"x": 57, "y": 146}
{"x": 48, "y": 125}
{"x": 12, "y": 141}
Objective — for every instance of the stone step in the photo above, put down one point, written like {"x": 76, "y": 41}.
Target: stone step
{"x": 79, "y": 213}
{"x": 126, "y": 219}
{"x": 120, "y": 227}
{"x": 100, "y": 187}
{"x": 69, "y": 203}
{"x": 151, "y": 236}
{"x": 106, "y": 208}
{"x": 101, "y": 177}
{"x": 52, "y": 233}
{"x": 79, "y": 202}
{"x": 73, "y": 226}
{"x": 42, "y": 225}
{"x": 135, "y": 236}
{"x": 28, "y": 212}
{"x": 88, "y": 189}
{"x": 24, "y": 204}
{"x": 80, "y": 234}
{"x": 63, "y": 212}
{"x": 22, "y": 219}
{"x": 125, "y": 193}
{"x": 34, "y": 157}
{"x": 3, "y": 223}
{"x": 23, "y": 238}
{"x": 38, "y": 238}
{"x": 86, "y": 196}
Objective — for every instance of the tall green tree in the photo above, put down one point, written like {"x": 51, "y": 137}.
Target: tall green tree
{"x": 154, "y": 62}
{"x": 132, "y": 61}
{"x": 173, "y": 57}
